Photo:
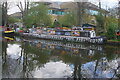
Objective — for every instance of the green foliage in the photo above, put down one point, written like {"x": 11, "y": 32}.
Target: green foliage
{"x": 111, "y": 20}
{"x": 38, "y": 14}
{"x": 12, "y": 20}
{"x": 100, "y": 18}
{"x": 56, "y": 24}
{"x": 106, "y": 24}
{"x": 68, "y": 19}
{"x": 111, "y": 31}
{"x": 111, "y": 26}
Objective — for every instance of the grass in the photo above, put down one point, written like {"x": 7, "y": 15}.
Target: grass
{"x": 113, "y": 40}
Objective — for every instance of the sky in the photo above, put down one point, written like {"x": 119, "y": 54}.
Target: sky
{"x": 108, "y": 3}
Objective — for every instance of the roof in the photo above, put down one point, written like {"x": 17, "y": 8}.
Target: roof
{"x": 54, "y": 5}
{"x": 59, "y": 9}
{"x": 16, "y": 14}
{"x": 88, "y": 25}
{"x": 87, "y": 5}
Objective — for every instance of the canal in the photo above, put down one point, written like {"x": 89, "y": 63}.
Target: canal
{"x": 36, "y": 58}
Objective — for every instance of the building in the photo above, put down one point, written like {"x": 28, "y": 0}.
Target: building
{"x": 55, "y": 10}
{"x": 58, "y": 9}
{"x": 90, "y": 10}
{"x": 17, "y": 15}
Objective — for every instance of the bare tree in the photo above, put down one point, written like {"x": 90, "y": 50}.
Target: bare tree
{"x": 4, "y": 13}
{"x": 23, "y": 8}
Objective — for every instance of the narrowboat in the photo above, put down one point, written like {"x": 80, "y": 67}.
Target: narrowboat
{"x": 79, "y": 33}
{"x": 8, "y": 30}
{"x": 83, "y": 34}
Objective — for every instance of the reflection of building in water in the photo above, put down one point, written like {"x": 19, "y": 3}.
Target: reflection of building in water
{"x": 39, "y": 45}
{"x": 64, "y": 52}
{"x": 99, "y": 69}
{"x": 75, "y": 50}
{"x": 91, "y": 53}
{"x": 51, "y": 46}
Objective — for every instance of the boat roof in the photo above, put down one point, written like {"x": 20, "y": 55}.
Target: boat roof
{"x": 88, "y": 25}
{"x": 74, "y": 30}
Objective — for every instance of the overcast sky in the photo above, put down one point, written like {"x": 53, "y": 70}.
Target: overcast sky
{"x": 108, "y": 3}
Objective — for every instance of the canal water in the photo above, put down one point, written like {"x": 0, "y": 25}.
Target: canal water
{"x": 35, "y": 58}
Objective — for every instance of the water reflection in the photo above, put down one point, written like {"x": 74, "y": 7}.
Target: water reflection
{"x": 24, "y": 58}
{"x": 104, "y": 69}
{"x": 14, "y": 51}
{"x": 53, "y": 70}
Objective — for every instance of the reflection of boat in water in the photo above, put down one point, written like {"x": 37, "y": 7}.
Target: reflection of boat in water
{"x": 100, "y": 69}
{"x": 8, "y": 38}
{"x": 68, "y": 48}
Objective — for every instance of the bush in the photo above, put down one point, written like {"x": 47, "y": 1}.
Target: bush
{"x": 111, "y": 31}
{"x": 56, "y": 24}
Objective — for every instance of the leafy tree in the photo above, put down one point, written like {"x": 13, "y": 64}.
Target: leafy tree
{"x": 56, "y": 24}
{"x": 4, "y": 6}
{"x": 100, "y": 18}
{"x": 24, "y": 7}
{"x": 111, "y": 31}
{"x": 12, "y": 20}
{"x": 68, "y": 19}
{"x": 38, "y": 14}
{"x": 111, "y": 26}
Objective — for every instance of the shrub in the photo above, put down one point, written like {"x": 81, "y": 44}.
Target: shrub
{"x": 111, "y": 31}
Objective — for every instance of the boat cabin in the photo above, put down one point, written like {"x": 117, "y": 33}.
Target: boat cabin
{"x": 79, "y": 33}
{"x": 84, "y": 33}
{"x": 63, "y": 32}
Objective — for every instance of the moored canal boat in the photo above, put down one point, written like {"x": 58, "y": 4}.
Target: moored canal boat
{"x": 8, "y": 30}
{"x": 83, "y": 34}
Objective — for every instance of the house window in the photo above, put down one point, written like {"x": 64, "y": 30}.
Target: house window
{"x": 49, "y": 11}
{"x": 93, "y": 12}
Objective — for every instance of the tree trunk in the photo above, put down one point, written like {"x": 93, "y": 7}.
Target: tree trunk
{"x": 24, "y": 10}
{"x": 4, "y": 14}
{"x": 80, "y": 13}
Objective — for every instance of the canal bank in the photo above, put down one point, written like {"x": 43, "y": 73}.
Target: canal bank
{"x": 113, "y": 42}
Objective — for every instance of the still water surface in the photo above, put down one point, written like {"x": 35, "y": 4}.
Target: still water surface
{"x": 24, "y": 58}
